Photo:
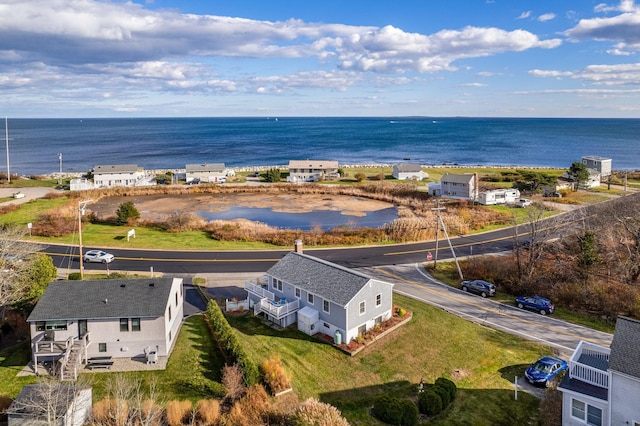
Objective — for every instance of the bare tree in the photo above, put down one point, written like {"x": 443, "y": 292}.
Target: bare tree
{"x": 50, "y": 401}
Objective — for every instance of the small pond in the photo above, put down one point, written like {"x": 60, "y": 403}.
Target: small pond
{"x": 326, "y": 219}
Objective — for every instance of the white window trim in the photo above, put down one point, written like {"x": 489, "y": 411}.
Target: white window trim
{"x": 379, "y": 298}
{"x": 328, "y": 305}
{"x": 310, "y": 298}
{"x": 298, "y": 293}
{"x": 360, "y": 306}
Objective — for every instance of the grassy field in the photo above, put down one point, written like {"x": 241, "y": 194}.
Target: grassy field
{"x": 481, "y": 361}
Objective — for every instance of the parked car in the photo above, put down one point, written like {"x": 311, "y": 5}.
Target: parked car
{"x": 98, "y": 256}
{"x": 535, "y": 303}
{"x": 481, "y": 287}
{"x": 523, "y": 202}
{"x": 545, "y": 370}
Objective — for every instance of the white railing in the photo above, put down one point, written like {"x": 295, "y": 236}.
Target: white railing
{"x": 278, "y": 310}
{"x": 587, "y": 373}
{"x": 237, "y": 305}
{"x": 258, "y": 290}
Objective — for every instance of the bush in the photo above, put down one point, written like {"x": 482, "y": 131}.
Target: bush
{"x": 360, "y": 177}
{"x": 208, "y": 411}
{"x": 178, "y": 412}
{"x": 429, "y": 403}
{"x": 315, "y": 413}
{"x": 127, "y": 213}
{"x": 410, "y": 415}
{"x": 443, "y": 393}
{"x": 274, "y": 375}
{"x": 388, "y": 409}
{"x": 449, "y": 385}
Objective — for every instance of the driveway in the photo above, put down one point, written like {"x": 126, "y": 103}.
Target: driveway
{"x": 29, "y": 194}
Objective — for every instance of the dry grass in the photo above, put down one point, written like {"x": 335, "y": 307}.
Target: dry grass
{"x": 207, "y": 412}
{"x": 114, "y": 412}
{"x": 274, "y": 375}
{"x": 178, "y": 412}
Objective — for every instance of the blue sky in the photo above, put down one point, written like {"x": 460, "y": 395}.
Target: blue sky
{"x": 170, "y": 58}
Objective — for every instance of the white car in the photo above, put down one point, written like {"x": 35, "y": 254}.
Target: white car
{"x": 98, "y": 256}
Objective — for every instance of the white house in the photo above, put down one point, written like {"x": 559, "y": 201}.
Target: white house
{"x": 43, "y": 404}
{"x": 320, "y": 296}
{"x": 125, "y": 318}
{"x": 312, "y": 170}
{"x": 109, "y": 176}
{"x": 602, "y": 386}
{"x": 601, "y": 164}
{"x": 409, "y": 171}
{"x": 208, "y": 172}
{"x": 462, "y": 187}
{"x": 498, "y": 196}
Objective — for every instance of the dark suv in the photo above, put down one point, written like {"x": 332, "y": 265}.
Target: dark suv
{"x": 483, "y": 288}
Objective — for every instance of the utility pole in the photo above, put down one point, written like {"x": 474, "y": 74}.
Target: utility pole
{"x": 440, "y": 224}
{"x": 82, "y": 205}
{"x": 6, "y": 138}
{"x": 60, "y": 176}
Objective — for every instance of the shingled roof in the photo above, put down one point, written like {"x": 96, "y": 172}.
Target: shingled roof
{"x": 319, "y": 277}
{"x": 409, "y": 167}
{"x": 115, "y": 168}
{"x": 100, "y": 299}
{"x": 625, "y": 356}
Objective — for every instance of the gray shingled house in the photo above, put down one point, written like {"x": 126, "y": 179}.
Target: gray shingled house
{"x": 602, "y": 386}
{"x": 409, "y": 171}
{"x": 125, "y": 318}
{"x": 207, "y": 172}
{"x": 320, "y": 296}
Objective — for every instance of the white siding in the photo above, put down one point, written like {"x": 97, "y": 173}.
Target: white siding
{"x": 624, "y": 394}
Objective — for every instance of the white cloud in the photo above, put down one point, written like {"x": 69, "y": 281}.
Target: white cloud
{"x": 546, "y": 17}
{"x": 524, "y": 15}
{"x": 549, "y": 73}
{"x": 603, "y": 75}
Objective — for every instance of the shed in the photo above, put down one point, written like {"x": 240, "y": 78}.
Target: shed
{"x": 307, "y": 319}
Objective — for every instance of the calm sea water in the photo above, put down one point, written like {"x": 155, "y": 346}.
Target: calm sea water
{"x": 168, "y": 143}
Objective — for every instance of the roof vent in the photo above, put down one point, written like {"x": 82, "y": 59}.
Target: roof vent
{"x": 123, "y": 285}
{"x": 152, "y": 284}
{"x": 106, "y": 301}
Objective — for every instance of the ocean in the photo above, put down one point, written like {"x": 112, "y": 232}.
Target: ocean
{"x": 171, "y": 143}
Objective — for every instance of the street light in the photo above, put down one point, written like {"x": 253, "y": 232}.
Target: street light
{"x": 60, "y": 175}
{"x": 82, "y": 205}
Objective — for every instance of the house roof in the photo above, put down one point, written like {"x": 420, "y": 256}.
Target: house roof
{"x": 409, "y": 167}
{"x": 465, "y": 178}
{"x": 99, "y": 299}
{"x": 625, "y": 356}
{"x": 115, "y": 168}
{"x": 312, "y": 164}
{"x": 212, "y": 167}
{"x": 320, "y": 277}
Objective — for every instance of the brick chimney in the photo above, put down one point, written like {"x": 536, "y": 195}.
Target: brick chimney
{"x": 298, "y": 246}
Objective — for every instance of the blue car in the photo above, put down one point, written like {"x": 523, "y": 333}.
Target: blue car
{"x": 544, "y": 370}
{"x": 535, "y": 303}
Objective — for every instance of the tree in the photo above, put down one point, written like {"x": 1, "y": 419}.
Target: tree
{"x": 127, "y": 213}
{"x": 360, "y": 177}
{"x": 273, "y": 175}
{"x": 579, "y": 173}
{"x": 15, "y": 263}
{"x": 531, "y": 180}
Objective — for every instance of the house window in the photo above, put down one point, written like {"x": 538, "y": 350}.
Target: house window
{"x": 594, "y": 416}
{"x": 51, "y": 325}
{"x": 362, "y": 307}
{"x": 176, "y": 298}
{"x": 297, "y": 292}
{"x": 124, "y": 324}
{"x": 378, "y": 299}
{"x": 135, "y": 324}
{"x": 378, "y": 320}
{"x": 169, "y": 335}
{"x": 325, "y": 306}
{"x": 277, "y": 284}
{"x": 169, "y": 313}
{"x": 102, "y": 347}
{"x": 310, "y": 298}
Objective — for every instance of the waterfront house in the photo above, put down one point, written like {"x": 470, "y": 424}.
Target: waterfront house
{"x": 602, "y": 386}
{"x": 498, "y": 196}
{"x": 125, "y": 318}
{"x": 50, "y": 403}
{"x": 109, "y": 176}
{"x": 409, "y": 171}
{"x": 601, "y": 164}
{"x": 312, "y": 170}
{"x": 456, "y": 186}
{"x": 320, "y": 296}
{"x": 207, "y": 172}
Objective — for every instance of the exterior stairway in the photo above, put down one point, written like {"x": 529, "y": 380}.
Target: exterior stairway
{"x": 70, "y": 363}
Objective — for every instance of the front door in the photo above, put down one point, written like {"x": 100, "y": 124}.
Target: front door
{"x": 82, "y": 328}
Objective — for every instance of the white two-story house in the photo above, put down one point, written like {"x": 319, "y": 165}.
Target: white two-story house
{"x": 312, "y": 170}
{"x": 456, "y": 186}
{"x": 602, "y": 387}
{"x": 109, "y": 176}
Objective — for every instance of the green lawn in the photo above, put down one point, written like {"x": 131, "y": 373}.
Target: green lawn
{"x": 483, "y": 362}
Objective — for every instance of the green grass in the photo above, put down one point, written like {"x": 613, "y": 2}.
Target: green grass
{"x": 482, "y": 362}
{"x": 32, "y": 183}
{"x": 12, "y": 361}
{"x": 30, "y": 211}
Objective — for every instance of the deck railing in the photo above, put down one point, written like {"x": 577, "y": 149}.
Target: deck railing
{"x": 254, "y": 287}
{"x": 278, "y": 310}
{"x": 587, "y": 373}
